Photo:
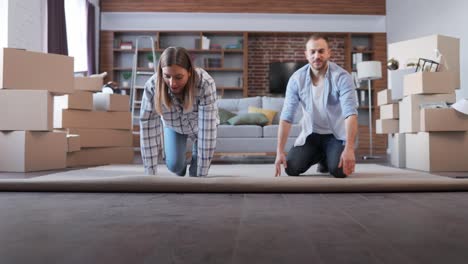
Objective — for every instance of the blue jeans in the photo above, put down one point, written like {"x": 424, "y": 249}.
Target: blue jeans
{"x": 175, "y": 146}
{"x": 325, "y": 149}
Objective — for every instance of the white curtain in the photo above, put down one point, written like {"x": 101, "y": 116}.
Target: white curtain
{"x": 76, "y": 19}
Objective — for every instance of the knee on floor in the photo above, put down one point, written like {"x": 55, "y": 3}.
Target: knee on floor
{"x": 177, "y": 167}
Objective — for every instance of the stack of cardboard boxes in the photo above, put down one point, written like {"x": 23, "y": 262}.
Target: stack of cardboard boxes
{"x": 424, "y": 137}
{"x": 28, "y": 81}
{"x": 50, "y": 119}
{"x": 102, "y": 121}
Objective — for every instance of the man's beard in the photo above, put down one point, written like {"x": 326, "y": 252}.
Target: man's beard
{"x": 321, "y": 67}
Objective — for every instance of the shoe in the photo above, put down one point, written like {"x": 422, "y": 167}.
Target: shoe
{"x": 322, "y": 168}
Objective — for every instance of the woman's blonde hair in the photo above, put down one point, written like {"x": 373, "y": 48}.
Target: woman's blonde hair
{"x": 175, "y": 56}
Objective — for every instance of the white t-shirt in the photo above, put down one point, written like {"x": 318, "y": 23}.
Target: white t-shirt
{"x": 320, "y": 123}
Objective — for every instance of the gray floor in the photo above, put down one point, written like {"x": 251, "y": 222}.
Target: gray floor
{"x": 232, "y": 228}
{"x": 238, "y": 228}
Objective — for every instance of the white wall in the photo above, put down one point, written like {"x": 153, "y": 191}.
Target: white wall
{"x": 242, "y": 22}
{"x": 26, "y": 24}
{"x": 418, "y": 18}
{"x": 3, "y": 23}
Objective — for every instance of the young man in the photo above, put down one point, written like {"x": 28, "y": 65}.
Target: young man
{"x": 329, "y": 125}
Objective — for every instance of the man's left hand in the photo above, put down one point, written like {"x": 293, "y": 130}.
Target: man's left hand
{"x": 347, "y": 161}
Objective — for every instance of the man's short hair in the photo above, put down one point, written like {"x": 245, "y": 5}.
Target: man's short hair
{"x": 317, "y": 36}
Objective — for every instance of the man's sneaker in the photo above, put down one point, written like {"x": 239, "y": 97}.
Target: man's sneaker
{"x": 322, "y": 168}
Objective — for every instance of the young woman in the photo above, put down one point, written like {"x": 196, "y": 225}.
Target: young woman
{"x": 184, "y": 97}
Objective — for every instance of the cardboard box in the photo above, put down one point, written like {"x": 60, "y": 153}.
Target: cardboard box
{"x": 437, "y": 151}
{"x": 410, "y": 113}
{"x": 24, "y": 151}
{"x": 73, "y": 142}
{"x": 27, "y": 70}
{"x": 111, "y": 102}
{"x": 384, "y": 97}
{"x": 100, "y": 156}
{"x": 397, "y": 145}
{"x": 67, "y": 118}
{"x": 429, "y": 83}
{"x": 91, "y": 84}
{"x": 443, "y": 119}
{"x": 389, "y": 111}
{"x": 79, "y": 100}
{"x": 427, "y": 47}
{"x": 386, "y": 126}
{"x": 103, "y": 137}
{"x": 26, "y": 110}
{"x": 395, "y": 82}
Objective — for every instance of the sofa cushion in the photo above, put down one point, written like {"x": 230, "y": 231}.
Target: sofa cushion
{"x": 270, "y": 114}
{"x": 224, "y": 116}
{"x": 240, "y": 105}
{"x": 228, "y": 131}
{"x": 276, "y": 104}
{"x": 272, "y": 131}
{"x": 251, "y": 145}
{"x": 258, "y": 119}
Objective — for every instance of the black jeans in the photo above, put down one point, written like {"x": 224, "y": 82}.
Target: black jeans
{"x": 325, "y": 149}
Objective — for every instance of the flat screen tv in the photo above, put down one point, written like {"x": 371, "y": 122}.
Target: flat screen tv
{"x": 280, "y": 73}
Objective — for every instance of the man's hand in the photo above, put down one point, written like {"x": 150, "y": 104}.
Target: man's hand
{"x": 347, "y": 161}
{"x": 280, "y": 159}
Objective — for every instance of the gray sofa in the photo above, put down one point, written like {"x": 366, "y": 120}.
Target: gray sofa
{"x": 252, "y": 138}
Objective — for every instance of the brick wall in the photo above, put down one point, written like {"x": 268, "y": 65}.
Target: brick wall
{"x": 266, "y": 48}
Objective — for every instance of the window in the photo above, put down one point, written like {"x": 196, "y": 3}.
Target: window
{"x": 76, "y": 20}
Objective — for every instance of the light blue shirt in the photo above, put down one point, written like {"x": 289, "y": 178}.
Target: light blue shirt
{"x": 339, "y": 99}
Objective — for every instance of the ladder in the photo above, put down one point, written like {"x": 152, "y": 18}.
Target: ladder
{"x": 136, "y": 73}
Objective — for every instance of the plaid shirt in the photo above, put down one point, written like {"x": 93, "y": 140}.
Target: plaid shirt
{"x": 199, "y": 124}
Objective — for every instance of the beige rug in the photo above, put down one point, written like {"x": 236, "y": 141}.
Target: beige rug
{"x": 234, "y": 178}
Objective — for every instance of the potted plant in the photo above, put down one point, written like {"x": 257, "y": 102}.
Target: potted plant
{"x": 150, "y": 58}
{"x": 126, "y": 76}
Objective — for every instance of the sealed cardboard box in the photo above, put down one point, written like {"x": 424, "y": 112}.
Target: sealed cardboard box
{"x": 443, "y": 119}
{"x": 111, "y": 102}
{"x": 100, "y": 156}
{"x": 91, "y": 84}
{"x": 67, "y": 118}
{"x": 410, "y": 113}
{"x": 389, "y": 111}
{"x": 384, "y": 97}
{"x": 429, "y": 83}
{"x": 397, "y": 145}
{"x": 74, "y": 143}
{"x": 103, "y": 137}
{"x": 27, "y": 70}
{"x": 78, "y": 100}
{"x": 437, "y": 151}
{"x": 386, "y": 126}
{"x": 24, "y": 151}
{"x": 395, "y": 82}
{"x": 439, "y": 48}
{"x": 26, "y": 110}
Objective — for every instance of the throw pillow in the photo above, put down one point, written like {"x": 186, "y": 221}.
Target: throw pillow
{"x": 258, "y": 119}
{"x": 270, "y": 114}
{"x": 224, "y": 116}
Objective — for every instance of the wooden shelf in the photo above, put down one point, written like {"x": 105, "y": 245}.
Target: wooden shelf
{"x": 234, "y": 88}
{"x": 363, "y": 52}
{"x": 224, "y": 69}
{"x": 189, "y": 50}
{"x": 130, "y": 69}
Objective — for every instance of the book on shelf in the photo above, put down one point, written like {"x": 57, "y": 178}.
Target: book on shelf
{"x": 126, "y": 45}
